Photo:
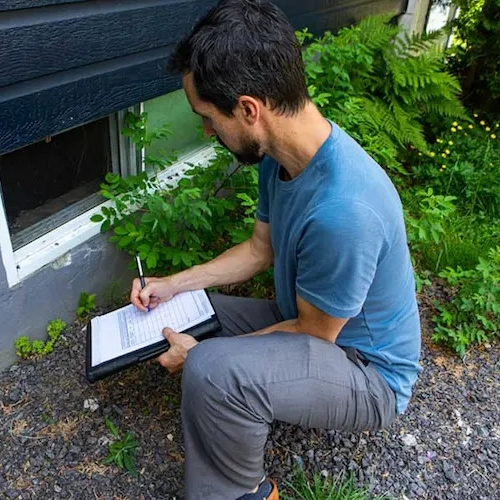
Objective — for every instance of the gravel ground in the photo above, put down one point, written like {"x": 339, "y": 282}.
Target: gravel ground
{"x": 53, "y": 445}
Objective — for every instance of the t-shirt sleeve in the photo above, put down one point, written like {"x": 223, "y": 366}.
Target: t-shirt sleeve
{"x": 338, "y": 253}
{"x": 263, "y": 202}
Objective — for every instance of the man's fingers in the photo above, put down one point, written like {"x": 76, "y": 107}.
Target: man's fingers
{"x": 165, "y": 361}
{"x": 168, "y": 333}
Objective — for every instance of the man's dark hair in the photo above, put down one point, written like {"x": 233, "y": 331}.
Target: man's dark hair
{"x": 244, "y": 47}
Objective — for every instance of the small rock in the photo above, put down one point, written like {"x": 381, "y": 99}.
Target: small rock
{"x": 324, "y": 473}
{"x": 449, "y": 472}
{"x": 483, "y": 432}
{"x": 310, "y": 455}
{"x": 57, "y": 488}
{"x": 91, "y": 404}
{"x": 299, "y": 461}
{"x": 409, "y": 440}
{"x": 15, "y": 396}
{"x": 170, "y": 437}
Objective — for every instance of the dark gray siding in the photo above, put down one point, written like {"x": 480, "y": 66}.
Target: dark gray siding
{"x": 67, "y": 62}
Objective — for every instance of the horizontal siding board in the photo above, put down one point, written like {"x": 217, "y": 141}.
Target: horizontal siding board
{"x": 31, "y": 116}
{"x": 29, "y": 4}
{"x": 340, "y": 14}
{"x": 89, "y": 88}
{"x": 34, "y": 45}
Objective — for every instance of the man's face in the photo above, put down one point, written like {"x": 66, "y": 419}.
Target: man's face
{"x": 229, "y": 131}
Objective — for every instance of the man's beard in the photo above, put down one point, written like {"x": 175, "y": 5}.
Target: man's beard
{"x": 249, "y": 155}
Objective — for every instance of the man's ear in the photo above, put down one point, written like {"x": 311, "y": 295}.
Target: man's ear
{"x": 249, "y": 109}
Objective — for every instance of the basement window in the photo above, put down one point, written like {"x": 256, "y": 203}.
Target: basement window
{"x": 50, "y": 182}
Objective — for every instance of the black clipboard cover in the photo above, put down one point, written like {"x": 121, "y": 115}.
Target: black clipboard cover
{"x": 200, "y": 332}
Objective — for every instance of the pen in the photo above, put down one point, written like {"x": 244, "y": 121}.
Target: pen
{"x": 141, "y": 274}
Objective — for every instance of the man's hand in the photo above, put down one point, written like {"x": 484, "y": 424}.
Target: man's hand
{"x": 180, "y": 343}
{"x": 156, "y": 290}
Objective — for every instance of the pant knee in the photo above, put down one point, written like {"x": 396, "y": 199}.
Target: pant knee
{"x": 205, "y": 365}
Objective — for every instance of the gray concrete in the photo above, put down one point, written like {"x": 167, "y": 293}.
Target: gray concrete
{"x": 53, "y": 292}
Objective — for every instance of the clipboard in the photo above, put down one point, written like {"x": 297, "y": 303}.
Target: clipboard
{"x": 94, "y": 372}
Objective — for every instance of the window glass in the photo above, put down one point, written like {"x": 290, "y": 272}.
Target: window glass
{"x": 50, "y": 182}
{"x": 173, "y": 109}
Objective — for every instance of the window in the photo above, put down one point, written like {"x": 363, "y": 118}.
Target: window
{"x": 174, "y": 110}
{"x": 50, "y": 189}
{"x": 50, "y": 182}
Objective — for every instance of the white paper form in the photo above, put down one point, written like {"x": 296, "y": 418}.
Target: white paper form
{"x": 128, "y": 329}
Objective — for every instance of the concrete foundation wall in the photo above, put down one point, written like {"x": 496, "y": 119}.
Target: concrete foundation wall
{"x": 53, "y": 292}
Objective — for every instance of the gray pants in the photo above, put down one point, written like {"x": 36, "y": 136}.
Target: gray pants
{"x": 234, "y": 387}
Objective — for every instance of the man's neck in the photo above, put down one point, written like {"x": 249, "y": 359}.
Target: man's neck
{"x": 295, "y": 140}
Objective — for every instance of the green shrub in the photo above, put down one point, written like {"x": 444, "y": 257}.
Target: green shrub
{"x": 425, "y": 215}
{"x": 381, "y": 85}
{"x": 172, "y": 229}
{"x": 464, "y": 161}
{"x": 472, "y": 315}
{"x": 473, "y": 56}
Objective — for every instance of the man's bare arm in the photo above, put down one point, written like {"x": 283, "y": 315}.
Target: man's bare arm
{"x": 238, "y": 264}
{"x": 311, "y": 320}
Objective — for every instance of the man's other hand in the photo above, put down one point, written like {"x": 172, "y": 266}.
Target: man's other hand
{"x": 180, "y": 343}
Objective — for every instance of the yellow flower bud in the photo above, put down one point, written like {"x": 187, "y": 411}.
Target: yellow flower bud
{"x": 482, "y": 123}
{"x": 443, "y": 166}
{"x": 432, "y": 155}
{"x": 471, "y": 126}
{"x": 450, "y": 143}
{"x": 487, "y": 129}
{"x": 443, "y": 155}
{"x": 493, "y": 136}
{"x": 475, "y": 115}
{"x": 448, "y": 152}
{"x": 460, "y": 127}
{"x": 455, "y": 124}
{"x": 453, "y": 129}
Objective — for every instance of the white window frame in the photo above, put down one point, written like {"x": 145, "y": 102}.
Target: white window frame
{"x": 23, "y": 262}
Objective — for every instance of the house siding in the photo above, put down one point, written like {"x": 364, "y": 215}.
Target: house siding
{"x": 67, "y": 62}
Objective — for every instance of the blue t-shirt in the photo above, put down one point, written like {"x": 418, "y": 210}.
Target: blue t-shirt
{"x": 339, "y": 242}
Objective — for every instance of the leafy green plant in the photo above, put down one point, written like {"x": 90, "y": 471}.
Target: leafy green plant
{"x": 381, "y": 85}
{"x": 464, "y": 161}
{"x": 321, "y": 488}
{"x": 174, "y": 228}
{"x": 23, "y": 347}
{"x": 121, "y": 451}
{"x": 473, "y": 56}
{"x": 425, "y": 214}
{"x": 137, "y": 129}
{"x": 26, "y": 349}
{"x": 55, "y": 328}
{"x": 472, "y": 315}
{"x": 86, "y": 305}
{"x": 465, "y": 238}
